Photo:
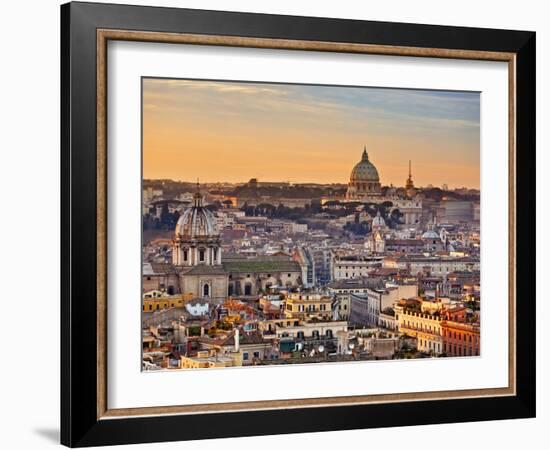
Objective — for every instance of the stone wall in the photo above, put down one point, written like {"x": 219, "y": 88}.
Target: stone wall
{"x": 195, "y": 284}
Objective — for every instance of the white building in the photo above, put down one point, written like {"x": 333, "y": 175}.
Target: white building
{"x": 348, "y": 267}
{"x": 366, "y": 307}
{"x": 436, "y": 266}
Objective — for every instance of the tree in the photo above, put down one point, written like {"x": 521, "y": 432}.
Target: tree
{"x": 164, "y": 214}
{"x": 358, "y": 228}
{"x": 394, "y": 218}
{"x": 371, "y": 209}
{"x": 265, "y": 209}
{"x": 316, "y": 206}
{"x": 214, "y": 206}
{"x": 248, "y": 210}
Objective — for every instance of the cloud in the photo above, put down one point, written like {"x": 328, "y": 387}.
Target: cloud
{"x": 440, "y": 124}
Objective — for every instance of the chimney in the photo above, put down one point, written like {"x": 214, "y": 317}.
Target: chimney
{"x": 236, "y": 337}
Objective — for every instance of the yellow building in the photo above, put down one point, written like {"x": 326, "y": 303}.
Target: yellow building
{"x": 209, "y": 359}
{"x": 154, "y": 302}
{"x": 412, "y": 320}
{"x": 308, "y": 306}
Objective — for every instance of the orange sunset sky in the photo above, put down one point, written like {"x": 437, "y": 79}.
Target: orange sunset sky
{"x": 234, "y": 131}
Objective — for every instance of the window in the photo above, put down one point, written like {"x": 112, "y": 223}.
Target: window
{"x": 245, "y": 356}
{"x": 185, "y": 255}
{"x": 289, "y": 275}
{"x": 206, "y": 290}
{"x": 201, "y": 255}
{"x": 256, "y": 354}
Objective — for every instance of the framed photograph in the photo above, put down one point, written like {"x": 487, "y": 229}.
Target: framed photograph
{"x": 276, "y": 224}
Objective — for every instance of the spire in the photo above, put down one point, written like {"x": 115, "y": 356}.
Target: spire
{"x": 365, "y": 156}
{"x": 198, "y": 197}
{"x": 409, "y": 185}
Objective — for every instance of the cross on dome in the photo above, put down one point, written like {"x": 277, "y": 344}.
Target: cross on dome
{"x": 197, "y": 196}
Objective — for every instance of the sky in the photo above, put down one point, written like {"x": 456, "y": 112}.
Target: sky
{"x": 220, "y": 131}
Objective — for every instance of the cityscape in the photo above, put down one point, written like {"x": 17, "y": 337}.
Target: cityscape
{"x": 246, "y": 271}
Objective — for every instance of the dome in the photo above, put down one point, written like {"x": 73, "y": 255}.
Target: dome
{"x": 378, "y": 221}
{"x": 197, "y": 221}
{"x": 430, "y": 234}
{"x": 364, "y": 170}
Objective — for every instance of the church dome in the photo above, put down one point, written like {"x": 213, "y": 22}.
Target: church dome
{"x": 378, "y": 221}
{"x": 197, "y": 221}
{"x": 430, "y": 234}
{"x": 364, "y": 170}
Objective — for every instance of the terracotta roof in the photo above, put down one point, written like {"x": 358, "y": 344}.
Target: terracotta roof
{"x": 246, "y": 338}
{"x": 229, "y": 235}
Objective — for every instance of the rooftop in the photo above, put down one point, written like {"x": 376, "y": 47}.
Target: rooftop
{"x": 261, "y": 264}
{"x": 205, "y": 270}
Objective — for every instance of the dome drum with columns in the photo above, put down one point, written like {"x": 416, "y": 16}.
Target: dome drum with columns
{"x": 364, "y": 180}
{"x": 197, "y": 238}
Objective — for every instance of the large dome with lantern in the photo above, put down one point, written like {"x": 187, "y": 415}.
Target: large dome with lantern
{"x": 364, "y": 181}
{"x": 197, "y": 238}
{"x": 364, "y": 170}
{"x": 197, "y": 221}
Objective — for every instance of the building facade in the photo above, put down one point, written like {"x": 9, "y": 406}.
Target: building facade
{"x": 461, "y": 333}
{"x": 308, "y": 306}
{"x": 349, "y": 267}
{"x": 423, "y": 325}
